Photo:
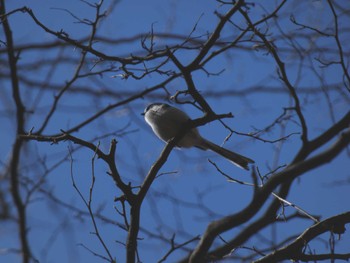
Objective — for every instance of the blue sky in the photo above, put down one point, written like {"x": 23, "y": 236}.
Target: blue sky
{"x": 56, "y": 232}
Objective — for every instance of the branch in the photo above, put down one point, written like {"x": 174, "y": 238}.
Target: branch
{"x": 88, "y": 204}
{"x": 77, "y": 72}
{"x": 294, "y": 251}
{"x": 194, "y": 65}
{"x": 284, "y": 76}
{"x": 322, "y": 139}
{"x": 339, "y": 45}
{"x": 110, "y": 107}
{"x": 175, "y": 246}
{"x": 16, "y": 151}
{"x": 317, "y": 257}
{"x": 108, "y": 158}
{"x": 299, "y": 209}
{"x": 214, "y": 36}
{"x": 65, "y": 37}
{"x": 288, "y": 174}
{"x": 136, "y": 206}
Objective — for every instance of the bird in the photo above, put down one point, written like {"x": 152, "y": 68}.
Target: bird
{"x": 166, "y": 121}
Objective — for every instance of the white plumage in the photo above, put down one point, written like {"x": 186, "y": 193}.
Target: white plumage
{"x": 166, "y": 121}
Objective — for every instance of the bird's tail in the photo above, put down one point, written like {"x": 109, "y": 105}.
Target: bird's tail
{"x": 237, "y": 159}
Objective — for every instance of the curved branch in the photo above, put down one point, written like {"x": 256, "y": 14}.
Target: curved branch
{"x": 323, "y": 138}
{"x": 289, "y": 173}
{"x": 294, "y": 250}
{"x": 284, "y": 76}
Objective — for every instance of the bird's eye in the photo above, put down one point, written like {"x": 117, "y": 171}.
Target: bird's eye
{"x": 149, "y": 107}
{"x": 156, "y": 106}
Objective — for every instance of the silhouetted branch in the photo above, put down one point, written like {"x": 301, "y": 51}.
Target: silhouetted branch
{"x": 295, "y": 250}
{"x": 18, "y": 143}
{"x": 289, "y": 173}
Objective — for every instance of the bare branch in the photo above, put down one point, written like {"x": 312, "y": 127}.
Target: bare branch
{"x": 294, "y": 250}
{"x": 289, "y": 173}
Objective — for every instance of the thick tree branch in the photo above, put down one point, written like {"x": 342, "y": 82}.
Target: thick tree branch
{"x": 17, "y": 147}
{"x": 323, "y": 138}
{"x": 294, "y": 251}
{"x": 289, "y": 173}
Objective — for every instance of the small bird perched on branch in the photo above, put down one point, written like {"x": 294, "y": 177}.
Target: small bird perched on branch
{"x": 166, "y": 121}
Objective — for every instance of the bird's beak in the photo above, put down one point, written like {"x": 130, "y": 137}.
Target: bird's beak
{"x": 143, "y": 114}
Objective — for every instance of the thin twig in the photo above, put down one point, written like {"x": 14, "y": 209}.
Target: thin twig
{"x": 302, "y": 211}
